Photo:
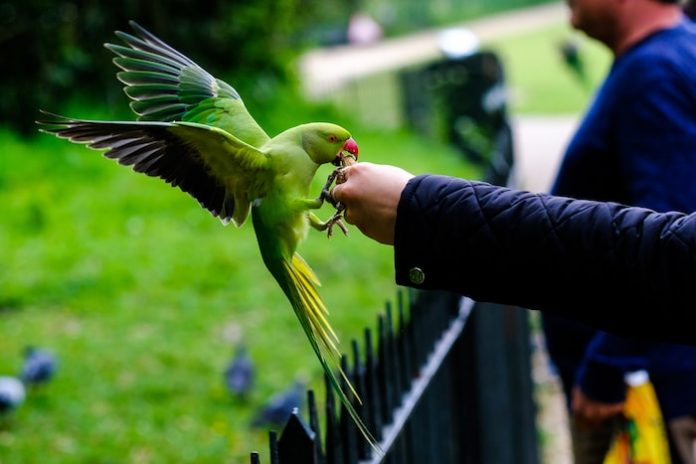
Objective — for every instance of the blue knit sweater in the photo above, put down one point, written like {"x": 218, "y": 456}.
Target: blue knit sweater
{"x": 636, "y": 145}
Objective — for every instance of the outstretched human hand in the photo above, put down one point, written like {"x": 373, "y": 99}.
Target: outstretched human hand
{"x": 370, "y": 194}
{"x": 591, "y": 413}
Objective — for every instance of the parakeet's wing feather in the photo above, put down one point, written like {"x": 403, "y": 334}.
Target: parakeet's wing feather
{"x": 166, "y": 85}
{"x": 220, "y": 171}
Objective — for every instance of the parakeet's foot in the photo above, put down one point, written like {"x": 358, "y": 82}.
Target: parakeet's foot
{"x": 325, "y": 194}
{"x": 338, "y": 176}
{"x": 327, "y": 197}
{"x": 335, "y": 220}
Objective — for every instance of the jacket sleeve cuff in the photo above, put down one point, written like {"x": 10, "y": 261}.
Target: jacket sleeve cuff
{"x": 411, "y": 266}
{"x": 425, "y": 232}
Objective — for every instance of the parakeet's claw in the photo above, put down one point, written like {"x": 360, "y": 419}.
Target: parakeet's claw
{"x": 336, "y": 220}
{"x": 338, "y": 176}
{"x": 325, "y": 194}
{"x": 341, "y": 225}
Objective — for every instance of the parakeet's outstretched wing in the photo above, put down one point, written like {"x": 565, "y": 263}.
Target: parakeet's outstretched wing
{"x": 220, "y": 171}
{"x": 165, "y": 85}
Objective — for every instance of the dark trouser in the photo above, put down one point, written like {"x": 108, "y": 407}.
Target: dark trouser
{"x": 682, "y": 431}
{"x": 590, "y": 445}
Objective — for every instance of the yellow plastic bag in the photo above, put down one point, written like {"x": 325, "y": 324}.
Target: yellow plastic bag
{"x": 642, "y": 438}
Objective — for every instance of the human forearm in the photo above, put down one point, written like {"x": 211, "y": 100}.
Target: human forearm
{"x": 626, "y": 270}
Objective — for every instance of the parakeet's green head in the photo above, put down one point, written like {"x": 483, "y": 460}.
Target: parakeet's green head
{"x": 328, "y": 143}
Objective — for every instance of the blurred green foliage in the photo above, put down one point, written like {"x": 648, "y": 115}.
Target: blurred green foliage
{"x": 52, "y": 50}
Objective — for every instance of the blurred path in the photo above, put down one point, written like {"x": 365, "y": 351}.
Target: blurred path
{"x": 326, "y": 69}
{"x": 539, "y": 143}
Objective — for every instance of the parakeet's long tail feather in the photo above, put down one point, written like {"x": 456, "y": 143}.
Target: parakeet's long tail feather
{"x": 299, "y": 283}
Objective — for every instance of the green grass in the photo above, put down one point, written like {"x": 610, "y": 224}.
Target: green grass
{"x": 139, "y": 291}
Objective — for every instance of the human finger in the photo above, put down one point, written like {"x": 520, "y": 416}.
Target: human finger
{"x": 337, "y": 191}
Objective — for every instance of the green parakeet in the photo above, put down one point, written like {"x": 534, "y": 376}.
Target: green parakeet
{"x": 195, "y": 133}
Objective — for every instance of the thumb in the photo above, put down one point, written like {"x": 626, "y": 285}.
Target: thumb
{"x": 338, "y": 191}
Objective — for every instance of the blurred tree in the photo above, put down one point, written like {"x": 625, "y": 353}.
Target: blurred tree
{"x": 52, "y": 50}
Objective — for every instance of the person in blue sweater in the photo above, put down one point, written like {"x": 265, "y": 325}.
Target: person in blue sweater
{"x": 626, "y": 270}
{"x": 636, "y": 145}
{"x": 690, "y": 9}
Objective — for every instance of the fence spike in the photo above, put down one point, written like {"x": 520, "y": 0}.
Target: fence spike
{"x": 359, "y": 382}
{"x": 399, "y": 299}
{"x": 412, "y": 341}
{"x": 383, "y": 374}
{"x": 334, "y": 453}
{"x": 394, "y": 364}
{"x": 297, "y": 443}
{"x": 372, "y": 388}
{"x": 314, "y": 424}
{"x": 402, "y": 346}
{"x": 420, "y": 333}
{"x": 273, "y": 444}
{"x": 255, "y": 458}
{"x": 347, "y": 426}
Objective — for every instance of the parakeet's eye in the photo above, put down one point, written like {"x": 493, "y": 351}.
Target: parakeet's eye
{"x": 333, "y": 138}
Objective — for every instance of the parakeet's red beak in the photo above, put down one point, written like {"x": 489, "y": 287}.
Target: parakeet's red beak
{"x": 350, "y": 149}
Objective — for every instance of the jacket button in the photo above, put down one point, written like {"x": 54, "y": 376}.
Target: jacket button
{"x": 416, "y": 275}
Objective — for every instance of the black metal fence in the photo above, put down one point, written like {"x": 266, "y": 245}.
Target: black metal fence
{"x": 442, "y": 379}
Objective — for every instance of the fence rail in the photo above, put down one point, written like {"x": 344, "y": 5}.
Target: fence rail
{"x": 430, "y": 392}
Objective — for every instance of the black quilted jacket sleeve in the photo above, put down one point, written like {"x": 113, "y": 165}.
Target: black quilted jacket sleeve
{"x": 627, "y": 270}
